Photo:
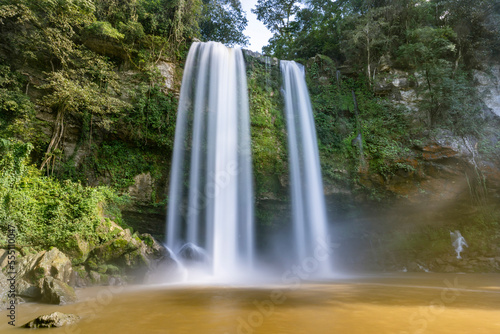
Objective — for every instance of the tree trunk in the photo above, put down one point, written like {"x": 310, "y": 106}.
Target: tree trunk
{"x": 57, "y": 135}
{"x": 368, "y": 67}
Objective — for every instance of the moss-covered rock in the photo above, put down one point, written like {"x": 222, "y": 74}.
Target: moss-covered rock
{"x": 56, "y": 319}
{"x": 113, "y": 249}
{"x": 53, "y": 263}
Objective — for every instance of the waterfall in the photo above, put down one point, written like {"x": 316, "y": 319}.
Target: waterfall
{"x": 211, "y": 193}
{"x": 308, "y": 203}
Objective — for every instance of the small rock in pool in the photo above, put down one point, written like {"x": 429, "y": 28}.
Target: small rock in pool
{"x": 56, "y": 319}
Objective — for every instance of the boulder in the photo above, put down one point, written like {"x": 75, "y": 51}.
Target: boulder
{"x": 116, "y": 248}
{"x": 449, "y": 269}
{"x": 166, "y": 269}
{"x": 79, "y": 278}
{"x": 53, "y": 263}
{"x": 25, "y": 289}
{"x": 4, "y": 291}
{"x": 154, "y": 248}
{"x": 190, "y": 253}
{"x": 56, "y": 319}
{"x": 3, "y": 258}
{"x": 79, "y": 249}
{"x": 55, "y": 291}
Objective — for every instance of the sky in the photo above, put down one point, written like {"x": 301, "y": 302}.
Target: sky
{"x": 256, "y": 30}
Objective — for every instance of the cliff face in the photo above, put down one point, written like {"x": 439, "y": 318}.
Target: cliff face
{"x": 384, "y": 212}
{"x": 401, "y": 220}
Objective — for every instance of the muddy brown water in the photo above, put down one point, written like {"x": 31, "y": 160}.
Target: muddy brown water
{"x": 400, "y": 303}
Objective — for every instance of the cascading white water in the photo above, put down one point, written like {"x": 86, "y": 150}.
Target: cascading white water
{"x": 308, "y": 203}
{"x": 211, "y": 194}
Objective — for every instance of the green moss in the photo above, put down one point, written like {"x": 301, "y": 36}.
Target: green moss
{"x": 102, "y": 29}
{"x": 101, "y": 269}
{"x": 118, "y": 244}
{"x": 148, "y": 240}
{"x": 39, "y": 273}
{"x": 113, "y": 270}
{"x": 269, "y": 150}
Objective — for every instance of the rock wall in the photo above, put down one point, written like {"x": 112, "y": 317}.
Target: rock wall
{"x": 488, "y": 84}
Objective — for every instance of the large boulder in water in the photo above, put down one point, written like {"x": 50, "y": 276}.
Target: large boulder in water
{"x": 55, "y": 291}
{"x": 167, "y": 269}
{"x": 192, "y": 254}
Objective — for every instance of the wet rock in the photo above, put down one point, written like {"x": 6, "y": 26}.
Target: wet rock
{"x": 154, "y": 248}
{"x": 190, "y": 253}
{"x": 56, "y": 319}
{"x": 127, "y": 256}
{"x": 57, "y": 292}
{"x": 435, "y": 151}
{"x": 116, "y": 281}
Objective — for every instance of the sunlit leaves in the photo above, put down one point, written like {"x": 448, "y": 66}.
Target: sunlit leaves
{"x": 224, "y": 21}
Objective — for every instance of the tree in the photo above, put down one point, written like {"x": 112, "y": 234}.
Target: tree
{"x": 366, "y": 35}
{"x": 277, "y": 16}
{"x": 476, "y": 25}
{"x": 176, "y": 20}
{"x": 318, "y": 30}
{"x": 224, "y": 21}
{"x": 74, "y": 80}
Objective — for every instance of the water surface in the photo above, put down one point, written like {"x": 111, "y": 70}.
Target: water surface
{"x": 391, "y": 303}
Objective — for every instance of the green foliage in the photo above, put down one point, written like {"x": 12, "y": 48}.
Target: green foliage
{"x": 224, "y": 21}
{"x": 48, "y": 28}
{"x": 133, "y": 31}
{"x": 277, "y": 17}
{"x": 385, "y": 128}
{"x": 73, "y": 92}
{"x": 176, "y": 19}
{"x": 115, "y": 163}
{"x": 152, "y": 119}
{"x": 116, "y": 11}
{"x": 267, "y": 124}
{"x": 47, "y": 213}
{"x": 16, "y": 110}
{"x": 105, "y": 30}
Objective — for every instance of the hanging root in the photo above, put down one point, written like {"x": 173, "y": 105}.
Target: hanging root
{"x": 57, "y": 135}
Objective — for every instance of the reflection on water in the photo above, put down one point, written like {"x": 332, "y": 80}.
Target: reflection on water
{"x": 402, "y": 303}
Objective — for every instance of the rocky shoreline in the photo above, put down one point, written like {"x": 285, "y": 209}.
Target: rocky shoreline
{"x": 50, "y": 276}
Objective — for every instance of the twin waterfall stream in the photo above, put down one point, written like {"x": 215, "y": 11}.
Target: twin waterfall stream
{"x": 211, "y": 200}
